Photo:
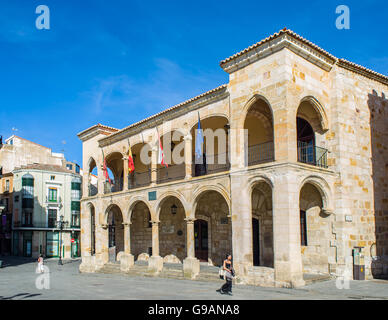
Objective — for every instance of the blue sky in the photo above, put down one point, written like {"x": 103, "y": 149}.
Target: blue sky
{"x": 116, "y": 62}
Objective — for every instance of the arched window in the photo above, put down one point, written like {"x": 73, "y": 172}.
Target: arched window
{"x": 306, "y": 141}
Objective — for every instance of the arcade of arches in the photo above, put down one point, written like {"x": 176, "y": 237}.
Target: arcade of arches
{"x": 210, "y": 228}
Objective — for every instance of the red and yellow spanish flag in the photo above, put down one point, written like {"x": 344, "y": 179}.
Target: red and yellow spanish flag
{"x": 131, "y": 164}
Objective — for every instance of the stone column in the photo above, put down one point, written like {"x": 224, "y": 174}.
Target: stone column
{"x": 155, "y": 262}
{"x": 102, "y": 245}
{"x": 125, "y": 173}
{"x": 154, "y": 165}
{"x": 285, "y": 134}
{"x": 127, "y": 260}
{"x": 188, "y": 156}
{"x": 286, "y": 231}
{"x": 101, "y": 180}
{"x": 191, "y": 266}
{"x": 85, "y": 184}
{"x": 88, "y": 263}
{"x": 238, "y": 154}
{"x": 241, "y": 225}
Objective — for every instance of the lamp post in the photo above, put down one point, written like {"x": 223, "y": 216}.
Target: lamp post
{"x": 61, "y": 225}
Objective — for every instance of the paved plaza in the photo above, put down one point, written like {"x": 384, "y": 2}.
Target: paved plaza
{"x": 18, "y": 277}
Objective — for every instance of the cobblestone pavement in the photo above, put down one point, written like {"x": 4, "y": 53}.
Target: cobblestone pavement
{"x": 18, "y": 277}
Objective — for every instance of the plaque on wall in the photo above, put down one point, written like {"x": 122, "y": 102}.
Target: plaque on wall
{"x": 152, "y": 195}
{"x": 224, "y": 220}
{"x": 168, "y": 229}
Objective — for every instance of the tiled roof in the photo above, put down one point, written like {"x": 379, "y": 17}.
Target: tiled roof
{"x": 341, "y": 62}
{"x": 171, "y": 108}
{"x": 98, "y": 125}
{"x": 44, "y": 167}
{"x": 274, "y": 36}
{"x": 346, "y": 63}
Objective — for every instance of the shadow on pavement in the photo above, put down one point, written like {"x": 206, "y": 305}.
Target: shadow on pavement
{"x": 10, "y": 261}
{"x": 21, "y": 295}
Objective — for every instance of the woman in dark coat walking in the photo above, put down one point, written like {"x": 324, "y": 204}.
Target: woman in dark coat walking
{"x": 229, "y": 274}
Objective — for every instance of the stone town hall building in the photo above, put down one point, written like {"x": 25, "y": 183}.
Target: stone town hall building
{"x": 304, "y": 187}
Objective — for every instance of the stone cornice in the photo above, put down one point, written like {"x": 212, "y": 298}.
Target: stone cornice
{"x": 96, "y": 130}
{"x": 362, "y": 71}
{"x": 286, "y": 38}
{"x": 268, "y": 47}
{"x": 195, "y": 103}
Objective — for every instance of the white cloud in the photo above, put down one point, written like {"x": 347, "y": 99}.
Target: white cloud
{"x": 168, "y": 85}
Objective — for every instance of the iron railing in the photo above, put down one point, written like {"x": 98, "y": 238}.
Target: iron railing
{"x": 93, "y": 190}
{"x": 139, "y": 179}
{"x": 214, "y": 163}
{"x": 57, "y": 200}
{"x": 260, "y": 153}
{"x": 311, "y": 154}
{"x": 40, "y": 225}
{"x": 171, "y": 173}
{"x": 113, "y": 186}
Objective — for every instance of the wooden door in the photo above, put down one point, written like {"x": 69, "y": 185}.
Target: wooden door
{"x": 201, "y": 240}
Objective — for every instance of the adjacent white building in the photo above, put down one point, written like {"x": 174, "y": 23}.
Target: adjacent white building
{"x": 42, "y": 195}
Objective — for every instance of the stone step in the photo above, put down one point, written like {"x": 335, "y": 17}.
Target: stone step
{"x": 206, "y": 277}
{"x": 313, "y": 278}
{"x": 110, "y": 268}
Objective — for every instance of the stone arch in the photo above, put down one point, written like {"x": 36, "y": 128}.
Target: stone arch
{"x": 200, "y": 190}
{"x": 261, "y": 209}
{"x": 254, "y": 99}
{"x": 114, "y": 227}
{"x": 165, "y": 196}
{"x": 323, "y": 188}
{"x": 256, "y": 180}
{"x": 134, "y": 202}
{"x": 212, "y": 203}
{"x": 320, "y": 122}
{"x": 258, "y": 121}
{"x": 174, "y": 155}
{"x": 215, "y": 147}
{"x": 315, "y": 225}
{"x": 107, "y": 210}
{"x": 171, "y": 213}
{"x": 117, "y": 158}
{"x": 140, "y": 217}
{"x": 193, "y": 122}
{"x": 90, "y": 163}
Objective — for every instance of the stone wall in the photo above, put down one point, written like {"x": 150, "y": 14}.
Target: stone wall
{"x": 172, "y": 230}
{"x": 213, "y": 208}
{"x": 141, "y": 230}
{"x": 315, "y": 256}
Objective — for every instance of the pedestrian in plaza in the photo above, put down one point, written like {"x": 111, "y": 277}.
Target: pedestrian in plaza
{"x": 40, "y": 264}
{"x": 229, "y": 274}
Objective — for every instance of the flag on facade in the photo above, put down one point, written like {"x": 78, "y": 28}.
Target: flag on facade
{"x": 105, "y": 169}
{"x": 161, "y": 158}
{"x": 199, "y": 143}
{"x": 131, "y": 164}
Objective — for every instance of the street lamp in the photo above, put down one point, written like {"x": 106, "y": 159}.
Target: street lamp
{"x": 174, "y": 209}
{"x": 61, "y": 225}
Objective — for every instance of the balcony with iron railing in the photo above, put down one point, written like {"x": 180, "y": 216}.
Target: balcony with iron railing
{"x": 53, "y": 201}
{"x": 92, "y": 190}
{"x": 115, "y": 185}
{"x": 50, "y": 224}
{"x": 261, "y": 153}
{"x": 211, "y": 163}
{"x": 311, "y": 154}
{"x": 171, "y": 173}
{"x": 139, "y": 179}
